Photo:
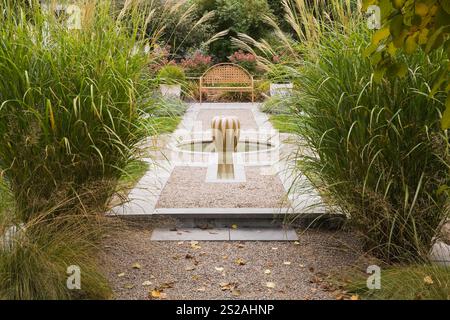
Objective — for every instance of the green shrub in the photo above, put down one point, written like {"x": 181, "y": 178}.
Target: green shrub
{"x": 279, "y": 73}
{"x": 68, "y": 106}
{"x": 171, "y": 74}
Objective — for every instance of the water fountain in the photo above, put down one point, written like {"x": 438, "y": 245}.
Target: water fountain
{"x": 225, "y": 135}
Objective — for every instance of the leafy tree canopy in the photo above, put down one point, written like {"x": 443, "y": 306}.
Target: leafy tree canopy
{"x": 407, "y": 26}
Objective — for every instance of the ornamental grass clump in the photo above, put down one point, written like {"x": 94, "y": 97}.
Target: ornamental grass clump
{"x": 69, "y": 103}
{"x": 374, "y": 150}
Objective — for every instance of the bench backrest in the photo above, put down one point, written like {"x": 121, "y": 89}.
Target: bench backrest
{"x": 226, "y": 73}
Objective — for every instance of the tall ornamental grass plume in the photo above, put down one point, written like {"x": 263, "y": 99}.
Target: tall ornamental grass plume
{"x": 374, "y": 150}
{"x": 377, "y": 152}
{"x": 42, "y": 258}
{"x": 69, "y": 102}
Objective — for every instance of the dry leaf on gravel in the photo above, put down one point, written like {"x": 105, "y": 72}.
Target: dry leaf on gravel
{"x": 236, "y": 293}
{"x": 120, "y": 275}
{"x": 287, "y": 263}
{"x": 227, "y": 286}
{"x": 146, "y": 283}
{"x": 274, "y": 248}
{"x": 296, "y": 243}
{"x": 155, "y": 293}
{"x": 190, "y": 268}
{"x": 267, "y": 271}
{"x": 240, "y": 262}
{"x": 270, "y": 285}
{"x": 220, "y": 269}
{"x": 136, "y": 266}
{"x": 195, "y": 245}
{"x": 240, "y": 245}
{"x": 129, "y": 286}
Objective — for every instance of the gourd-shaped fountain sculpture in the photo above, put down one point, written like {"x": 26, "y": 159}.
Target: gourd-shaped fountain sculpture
{"x": 225, "y": 134}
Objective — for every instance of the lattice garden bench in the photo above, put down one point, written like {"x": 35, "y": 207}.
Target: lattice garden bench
{"x": 226, "y": 77}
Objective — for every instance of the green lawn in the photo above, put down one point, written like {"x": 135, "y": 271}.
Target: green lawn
{"x": 134, "y": 172}
{"x": 283, "y": 122}
{"x": 161, "y": 125}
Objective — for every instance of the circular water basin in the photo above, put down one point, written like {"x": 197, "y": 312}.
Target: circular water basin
{"x": 207, "y": 146}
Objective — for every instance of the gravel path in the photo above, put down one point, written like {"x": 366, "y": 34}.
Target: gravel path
{"x": 187, "y": 188}
{"x": 137, "y": 267}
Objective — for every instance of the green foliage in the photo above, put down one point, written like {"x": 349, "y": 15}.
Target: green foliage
{"x": 279, "y": 73}
{"x": 171, "y": 74}
{"x": 284, "y": 123}
{"x": 163, "y": 125}
{"x": 277, "y": 105}
{"x": 237, "y": 16}
{"x": 378, "y": 153}
{"x": 185, "y": 27}
{"x": 408, "y": 25}
{"x": 415, "y": 282}
{"x": 69, "y": 106}
{"x": 34, "y": 264}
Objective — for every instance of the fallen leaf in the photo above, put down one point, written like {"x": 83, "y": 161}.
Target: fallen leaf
{"x": 120, "y": 275}
{"x": 195, "y": 245}
{"x": 129, "y": 286}
{"x": 167, "y": 285}
{"x": 220, "y": 269}
{"x": 267, "y": 271}
{"x": 274, "y": 248}
{"x": 146, "y": 283}
{"x": 189, "y": 268}
{"x": 227, "y": 286}
{"x": 234, "y": 226}
{"x": 288, "y": 263}
{"x": 240, "y": 245}
{"x": 155, "y": 293}
{"x": 296, "y": 243}
{"x": 181, "y": 242}
{"x": 236, "y": 292}
{"x": 428, "y": 280}
{"x": 301, "y": 265}
{"x": 136, "y": 266}
{"x": 225, "y": 257}
{"x": 354, "y": 297}
{"x": 240, "y": 262}
{"x": 270, "y": 285}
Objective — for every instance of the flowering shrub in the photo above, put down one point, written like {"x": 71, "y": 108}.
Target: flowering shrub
{"x": 197, "y": 63}
{"x": 160, "y": 58}
{"x": 245, "y": 60}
